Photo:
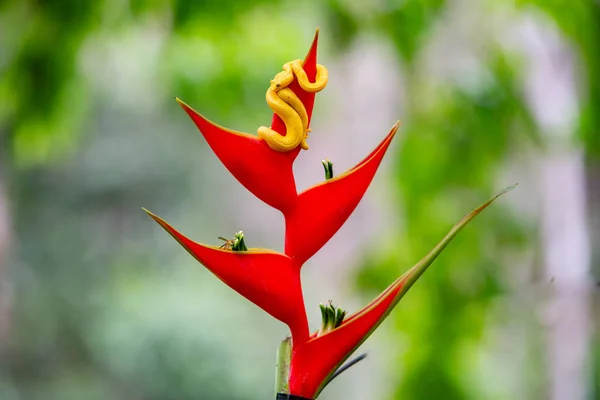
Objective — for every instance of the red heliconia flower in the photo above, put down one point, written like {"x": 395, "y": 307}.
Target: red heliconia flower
{"x": 266, "y": 278}
{"x": 314, "y": 361}
{"x": 263, "y": 164}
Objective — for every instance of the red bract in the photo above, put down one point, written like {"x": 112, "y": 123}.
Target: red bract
{"x": 272, "y": 280}
{"x": 322, "y": 209}
{"x": 314, "y": 361}
{"x": 307, "y": 98}
{"x": 268, "y": 279}
{"x": 264, "y": 172}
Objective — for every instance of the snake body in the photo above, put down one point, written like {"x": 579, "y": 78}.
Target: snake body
{"x": 286, "y": 104}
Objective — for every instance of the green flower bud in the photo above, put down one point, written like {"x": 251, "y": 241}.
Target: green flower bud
{"x": 238, "y": 243}
{"x": 328, "y": 166}
{"x": 331, "y": 317}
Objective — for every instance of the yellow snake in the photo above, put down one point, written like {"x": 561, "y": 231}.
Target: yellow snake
{"x": 286, "y": 104}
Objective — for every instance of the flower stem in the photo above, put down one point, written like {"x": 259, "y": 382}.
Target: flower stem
{"x": 282, "y": 368}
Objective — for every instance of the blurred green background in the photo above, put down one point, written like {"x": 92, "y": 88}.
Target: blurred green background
{"x": 97, "y": 302}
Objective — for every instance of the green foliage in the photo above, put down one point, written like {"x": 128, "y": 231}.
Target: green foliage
{"x": 406, "y": 23}
{"x": 39, "y": 84}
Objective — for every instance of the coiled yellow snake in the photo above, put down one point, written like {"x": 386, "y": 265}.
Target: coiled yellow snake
{"x": 284, "y": 102}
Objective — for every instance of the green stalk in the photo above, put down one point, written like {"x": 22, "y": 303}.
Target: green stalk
{"x": 282, "y": 368}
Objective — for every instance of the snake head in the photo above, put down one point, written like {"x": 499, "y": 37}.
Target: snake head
{"x": 282, "y": 80}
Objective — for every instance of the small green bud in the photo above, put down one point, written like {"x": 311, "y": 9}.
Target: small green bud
{"x": 324, "y": 319}
{"x": 328, "y": 166}
{"x": 238, "y": 243}
{"x": 331, "y": 316}
{"x": 339, "y": 317}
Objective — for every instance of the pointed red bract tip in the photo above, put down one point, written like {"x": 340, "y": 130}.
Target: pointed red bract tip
{"x": 264, "y": 172}
{"x": 268, "y": 279}
{"x": 322, "y": 209}
{"x": 308, "y": 99}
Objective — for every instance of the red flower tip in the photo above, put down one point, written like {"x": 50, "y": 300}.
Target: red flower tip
{"x": 264, "y": 172}
{"x": 307, "y": 98}
{"x": 322, "y": 209}
{"x": 314, "y": 361}
{"x": 268, "y": 279}
{"x": 265, "y": 167}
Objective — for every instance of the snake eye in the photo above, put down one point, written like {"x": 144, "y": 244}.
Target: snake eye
{"x": 279, "y": 84}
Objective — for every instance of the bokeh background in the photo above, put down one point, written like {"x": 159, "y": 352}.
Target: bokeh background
{"x": 98, "y": 302}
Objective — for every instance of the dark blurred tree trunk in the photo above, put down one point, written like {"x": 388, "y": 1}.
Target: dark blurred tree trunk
{"x": 5, "y": 295}
{"x": 567, "y": 261}
{"x": 566, "y": 241}
{"x": 593, "y": 201}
